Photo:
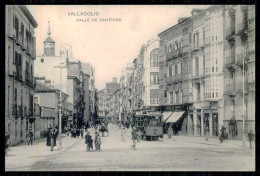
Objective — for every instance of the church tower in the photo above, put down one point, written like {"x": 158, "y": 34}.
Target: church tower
{"x": 49, "y": 44}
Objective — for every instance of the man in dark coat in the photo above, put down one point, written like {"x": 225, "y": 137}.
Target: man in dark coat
{"x": 48, "y": 142}
{"x": 88, "y": 141}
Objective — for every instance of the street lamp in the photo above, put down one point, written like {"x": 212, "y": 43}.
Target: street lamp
{"x": 243, "y": 116}
{"x": 61, "y": 66}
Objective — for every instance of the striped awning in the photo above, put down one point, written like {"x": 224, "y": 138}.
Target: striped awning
{"x": 175, "y": 116}
{"x": 166, "y": 115}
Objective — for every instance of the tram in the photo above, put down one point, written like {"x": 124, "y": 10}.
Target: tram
{"x": 150, "y": 125}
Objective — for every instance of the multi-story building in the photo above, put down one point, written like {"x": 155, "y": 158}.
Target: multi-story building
{"x": 150, "y": 94}
{"x": 110, "y": 88}
{"x": 47, "y": 98}
{"x": 239, "y": 92}
{"x": 20, "y": 54}
{"x": 101, "y": 108}
{"x": 90, "y": 70}
{"x": 194, "y": 59}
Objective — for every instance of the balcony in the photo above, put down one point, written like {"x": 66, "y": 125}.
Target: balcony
{"x": 242, "y": 30}
{"x": 24, "y": 45}
{"x": 174, "y": 79}
{"x": 29, "y": 48}
{"x": 14, "y": 112}
{"x": 171, "y": 55}
{"x": 231, "y": 34}
{"x": 33, "y": 47}
{"x": 230, "y": 62}
{"x": 229, "y": 88}
{"x": 11, "y": 32}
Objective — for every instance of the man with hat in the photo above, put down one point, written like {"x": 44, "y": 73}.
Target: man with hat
{"x": 88, "y": 141}
{"x": 29, "y": 136}
{"x": 97, "y": 142}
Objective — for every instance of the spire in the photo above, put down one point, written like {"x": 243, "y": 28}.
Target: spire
{"x": 49, "y": 29}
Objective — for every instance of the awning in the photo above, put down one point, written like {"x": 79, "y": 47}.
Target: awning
{"x": 166, "y": 115}
{"x": 175, "y": 116}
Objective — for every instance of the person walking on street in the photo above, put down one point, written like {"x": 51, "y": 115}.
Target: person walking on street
{"x": 81, "y": 132}
{"x": 207, "y": 133}
{"x": 123, "y": 134}
{"x": 55, "y": 133}
{"x": 48, "y": 142}
{"x": 222, "y": 134}
{"x": 88, "y": 141}
{"x": 52, "y": 134}
{"x": 138, "y": 135}
{"x": 170, "y": 131}
{"x": 134, "y": 137}
{"x": 29, "y": 136}
{"x": 97, "y": 142}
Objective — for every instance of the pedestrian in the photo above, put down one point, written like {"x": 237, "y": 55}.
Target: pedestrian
{"x": 138, "y": 135}
{"x": 29, "y": 136}
{"x": 251, "y": 137}
{"x": 52, "y": 133}
{"x": 48, "y": 142}
{"x": 207, "y": 133}
{"x": 55, "y": 134}
{"x": 134, "y": 137}
{"x": 68, "y": 131}
{"x": 222, "y": 134}
{"x": 74, "y": 132}
{"x": 170, "y": 131}
{"x": 97, "y": 142}
{"x": 88, "y": 141}
{"x": 123, "y": 134}
{"x": 81, "y": 132}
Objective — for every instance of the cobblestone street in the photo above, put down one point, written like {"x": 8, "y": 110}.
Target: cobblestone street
{"x": 177, "y": 154}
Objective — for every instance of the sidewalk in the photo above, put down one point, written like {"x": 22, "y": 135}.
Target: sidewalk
{"x": 27, "y": 155}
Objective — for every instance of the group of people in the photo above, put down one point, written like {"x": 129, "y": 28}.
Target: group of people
{"x": 75, "y": 132}
{"x": 52, "y": 134}
{"x": 89, "y": 142}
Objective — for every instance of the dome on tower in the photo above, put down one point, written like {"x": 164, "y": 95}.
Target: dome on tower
{"x": 49, "y": 40}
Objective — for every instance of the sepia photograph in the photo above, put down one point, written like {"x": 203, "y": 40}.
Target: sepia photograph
{"x": 130, "y": 87}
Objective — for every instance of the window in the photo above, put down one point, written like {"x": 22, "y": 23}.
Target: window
{"x": 212, "y": 38}
{"x": 190, "y": 37}
{"x": 203, "y": 64}
{"x": 212, "y": 94}
{"x": 177, "y": 97}
{"x": 171, "y": 97}
{"x": 181, "y": 68}
{"x": 197, "y": 66}
{"x": 154, "y": 57}
{"x": 170, "y": 71}
{"x": 216, "y": 38}
{"x": 216, "y": 94}
{"x": 154, "y": 96}
{"x": 165, "y": 93}
{"x": 216, "y": 69}
{"x": 15, "y": 95}
{"x": 212, "y": 69}
{"x": 42, "y": 60}
{"x": 153, "y": 78}
{"x": 176, "y": 69}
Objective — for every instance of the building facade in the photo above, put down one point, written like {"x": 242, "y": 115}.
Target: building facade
{"x": 20, "y": 55}
{"x": 239, "y": 92}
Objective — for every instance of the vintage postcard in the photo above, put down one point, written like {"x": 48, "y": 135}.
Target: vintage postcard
{"x": 130, "y": 88}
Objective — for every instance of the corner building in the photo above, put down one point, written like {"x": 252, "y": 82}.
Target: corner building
{"x": 193, "y": 52}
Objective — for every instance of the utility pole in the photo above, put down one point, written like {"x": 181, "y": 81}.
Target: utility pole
{"x": 243, "y": 116}
{"x": 61, "y": 66}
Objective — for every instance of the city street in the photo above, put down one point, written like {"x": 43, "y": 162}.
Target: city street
{"x": 180, "y": 153}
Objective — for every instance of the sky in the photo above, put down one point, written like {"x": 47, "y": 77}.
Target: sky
{"x": 107, "y": 45}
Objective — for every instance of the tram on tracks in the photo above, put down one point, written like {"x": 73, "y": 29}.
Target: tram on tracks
{"x": 149, "y": 124}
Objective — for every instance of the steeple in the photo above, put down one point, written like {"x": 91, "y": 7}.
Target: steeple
{"x": 49, "y": 29}
{"x": 49, "y": 43}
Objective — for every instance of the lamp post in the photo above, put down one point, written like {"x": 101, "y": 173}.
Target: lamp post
{"x": 61, "y": 66}
{"x": 243, "y": 116}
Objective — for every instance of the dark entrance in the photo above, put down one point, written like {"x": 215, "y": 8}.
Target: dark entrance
{"x": 206, "y": 122}
{"x": 215, "y": 124}
{"x": 192, "y": 124}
